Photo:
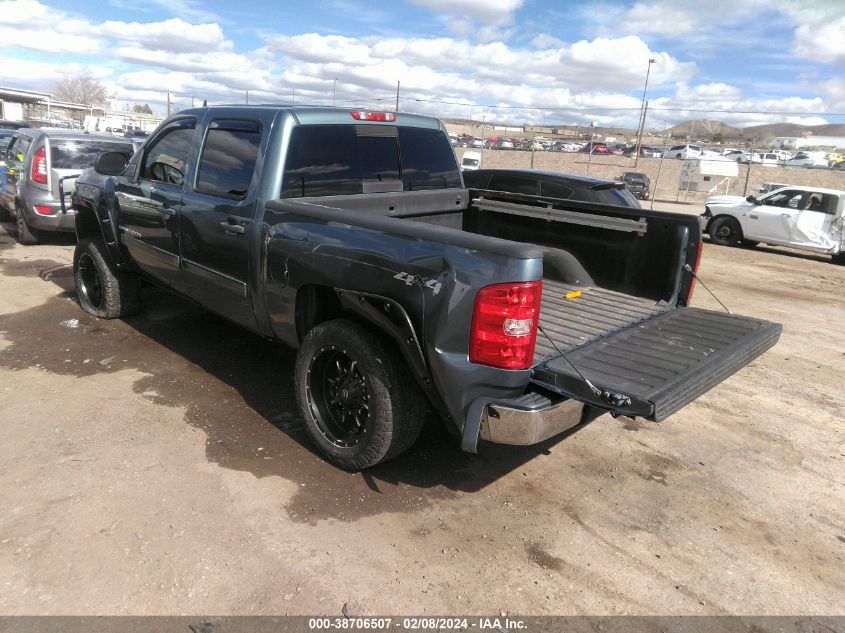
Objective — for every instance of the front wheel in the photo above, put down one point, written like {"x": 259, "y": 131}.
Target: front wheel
{"x": 725, "y": 231}
{"x": 102, "y": 290}
{"x": 360, "y": 404}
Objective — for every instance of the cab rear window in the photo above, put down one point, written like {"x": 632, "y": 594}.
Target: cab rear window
{"x": 334, "y": 160}
{"x": 82, "y": 154}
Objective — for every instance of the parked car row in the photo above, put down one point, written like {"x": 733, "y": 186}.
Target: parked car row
{"x": 37, "y": 175}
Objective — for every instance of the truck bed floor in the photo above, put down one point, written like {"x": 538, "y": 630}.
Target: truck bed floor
{"x": 598, "y": 312}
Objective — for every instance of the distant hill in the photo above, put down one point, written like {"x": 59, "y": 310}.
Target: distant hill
{"x": 705, "y": 129}
{"x": 793, "y": 129}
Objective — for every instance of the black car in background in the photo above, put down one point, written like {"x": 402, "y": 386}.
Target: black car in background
{"x": 12, "y": 125}
{"x": 552, "y": 185}
{"x": 637, "y": 183}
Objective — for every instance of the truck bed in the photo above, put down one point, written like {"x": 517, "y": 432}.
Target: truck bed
{"x": 596, "y": 313}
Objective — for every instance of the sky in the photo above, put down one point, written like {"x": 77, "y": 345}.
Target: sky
{"x": 742, "y": 62}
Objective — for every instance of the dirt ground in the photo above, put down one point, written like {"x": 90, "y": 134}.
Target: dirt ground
{"x": 157, "y": 465}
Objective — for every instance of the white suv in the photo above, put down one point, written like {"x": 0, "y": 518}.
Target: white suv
{"x": 683, "y": 151}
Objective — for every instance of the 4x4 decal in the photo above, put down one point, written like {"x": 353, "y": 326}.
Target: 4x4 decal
{"x": 409, "y": 279}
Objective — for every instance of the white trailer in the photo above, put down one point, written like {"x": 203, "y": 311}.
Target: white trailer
{"x": 707, "y": 174}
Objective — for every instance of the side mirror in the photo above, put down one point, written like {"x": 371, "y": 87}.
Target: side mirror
{"x": 752, "y": 200}
{"x": 111, "y": 163}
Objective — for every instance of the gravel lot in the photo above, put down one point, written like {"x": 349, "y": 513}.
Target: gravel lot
{"x": 157, "y": 465}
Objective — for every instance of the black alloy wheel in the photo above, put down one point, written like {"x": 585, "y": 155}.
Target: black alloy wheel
{"x": 88, "y": 280}
{"x": 725, "y": 231}
{"x": 339, "y": 396}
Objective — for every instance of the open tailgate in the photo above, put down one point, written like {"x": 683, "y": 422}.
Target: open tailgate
{"x": 660, "y": 364}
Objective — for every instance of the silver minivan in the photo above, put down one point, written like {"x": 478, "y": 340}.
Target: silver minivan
{"x": 42, "y": 165}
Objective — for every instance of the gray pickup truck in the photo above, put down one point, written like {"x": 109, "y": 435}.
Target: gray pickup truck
{"x": 349, "y": 235}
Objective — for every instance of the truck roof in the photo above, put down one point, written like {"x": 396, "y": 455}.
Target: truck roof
{"x": 319, "y": 115}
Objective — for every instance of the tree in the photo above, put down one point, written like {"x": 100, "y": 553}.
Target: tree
{"x": 142, "y": 109}
{"x": 80, "y": 89}
{"x": 718, "y": 137}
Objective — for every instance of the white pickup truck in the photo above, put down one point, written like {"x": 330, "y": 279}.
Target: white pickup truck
{"x": 805, "y": 218}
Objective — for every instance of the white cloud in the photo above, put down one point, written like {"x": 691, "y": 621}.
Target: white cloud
{"x": 488, "y": 11}
{"x": 671, "y": 18}
{"x": 170, "y": 35}
{"x": 186, "y": 9}
{"x": 48, "y": 40}
{"x": 22, "y": 11}
{"x": 821, "y": 42}
{"x": 834, "y": 89}
{"x": 728, "y": 104}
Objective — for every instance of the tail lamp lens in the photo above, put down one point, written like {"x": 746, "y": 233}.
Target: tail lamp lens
{"x": 38, "y": 173}
{"x": 504, "y": 325}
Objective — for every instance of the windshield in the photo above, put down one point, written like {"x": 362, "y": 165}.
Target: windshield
{"x": 73, "y": 154}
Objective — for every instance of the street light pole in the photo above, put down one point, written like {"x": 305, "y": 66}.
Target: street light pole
{"x": 642, "y": 113}
{"x": 334, "y": 92}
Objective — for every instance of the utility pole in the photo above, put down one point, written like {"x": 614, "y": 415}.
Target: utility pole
{"x": 292, "y": 96}
{"x": 247, "y": 98}
{"x": 748, "y": 170}
{"x": 397, "y": 95}
{"x": 168, "y": 104}
{"x": 334, "y": 92}
{"x": 192, "y": 101}
{"x": 642, "y": 113}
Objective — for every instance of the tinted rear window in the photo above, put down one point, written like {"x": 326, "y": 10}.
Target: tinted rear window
{"x": 322, "y": 161}
{"x": 514, "y": 183}
{"x": 427, "y": 160}
{"x": 81, "y": 154}
{"x": 618, "y": 197}
{"x": 555, "y": 189}
{"x": 333, "y": 160}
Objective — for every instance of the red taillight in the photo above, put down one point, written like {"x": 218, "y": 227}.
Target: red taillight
{"x": 504, "y": 325}
{"x": 38, "y": 173}
{"x": 695, "y": 270}
{"x": 42, "y": 210}
{"x": 364, "y": 115}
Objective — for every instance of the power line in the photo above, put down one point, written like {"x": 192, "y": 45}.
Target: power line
{"x": 619, "y": 108}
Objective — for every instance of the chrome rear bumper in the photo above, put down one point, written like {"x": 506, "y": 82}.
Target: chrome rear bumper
{"x": 522, "y": 421}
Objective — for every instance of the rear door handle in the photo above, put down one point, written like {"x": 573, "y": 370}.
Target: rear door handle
{"x": 752, "y": 216}
{"x": 231, "y": 227}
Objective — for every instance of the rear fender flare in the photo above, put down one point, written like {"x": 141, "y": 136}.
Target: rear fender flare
{"x": 391, "y": 318}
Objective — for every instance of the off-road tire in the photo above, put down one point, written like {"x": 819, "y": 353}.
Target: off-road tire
{"x": 23, "y": 232}
{"x": 839, "y": 259}
{"x": 396, "y": 406}
{"x": 101, "y": 289}
{"x": 725, "y": 231}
